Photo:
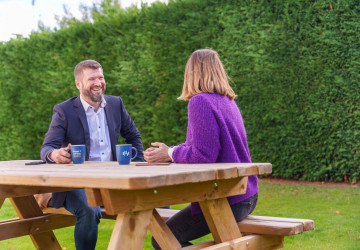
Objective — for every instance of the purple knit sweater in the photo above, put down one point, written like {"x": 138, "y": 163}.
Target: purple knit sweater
{"x": 215, "y": 133}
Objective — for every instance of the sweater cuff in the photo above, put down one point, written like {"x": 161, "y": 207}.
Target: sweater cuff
{"x": 171, "y": 151}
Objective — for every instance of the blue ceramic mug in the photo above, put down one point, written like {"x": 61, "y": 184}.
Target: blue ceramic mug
{"x": 124, "y": 153}
{"x": 77, "y": 153}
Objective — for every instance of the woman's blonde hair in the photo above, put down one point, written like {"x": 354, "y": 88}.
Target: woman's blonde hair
{"x": 204, "y": 72}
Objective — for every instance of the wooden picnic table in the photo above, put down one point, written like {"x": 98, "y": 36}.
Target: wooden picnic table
{"x": 132, "y": 193}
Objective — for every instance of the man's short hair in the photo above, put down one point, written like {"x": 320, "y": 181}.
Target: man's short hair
{"x": 87, "y": 64}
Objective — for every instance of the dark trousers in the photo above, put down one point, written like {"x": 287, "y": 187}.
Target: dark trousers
{"x": 187, "y": 227}
{"x": 87, "y": 219}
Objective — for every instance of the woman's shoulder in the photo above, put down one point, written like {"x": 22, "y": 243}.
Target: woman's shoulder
{"x": 210, "y": 98}
{"x": 204, "y": 97}
{"x": 200, "y": 100}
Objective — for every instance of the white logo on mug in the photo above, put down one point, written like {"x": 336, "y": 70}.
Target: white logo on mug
{"x": 126, "y": 153}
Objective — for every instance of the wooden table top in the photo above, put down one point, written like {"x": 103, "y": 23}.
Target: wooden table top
{"x": 111, "y": 175}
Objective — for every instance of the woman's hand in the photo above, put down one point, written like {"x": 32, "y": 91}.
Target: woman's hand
{"x": 159, "y": 154}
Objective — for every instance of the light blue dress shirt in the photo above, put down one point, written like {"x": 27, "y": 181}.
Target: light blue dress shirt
{"x": 100, "y": 145}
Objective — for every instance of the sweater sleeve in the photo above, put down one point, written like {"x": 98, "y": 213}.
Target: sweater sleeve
{"x": 202, "y": 140}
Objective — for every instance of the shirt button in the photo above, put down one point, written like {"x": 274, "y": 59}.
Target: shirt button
{"x": 101, "y": 140}
{"x": 102, "y": 153}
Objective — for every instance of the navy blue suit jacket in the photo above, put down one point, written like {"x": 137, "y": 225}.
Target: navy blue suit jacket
{"x": 69, "y": 125}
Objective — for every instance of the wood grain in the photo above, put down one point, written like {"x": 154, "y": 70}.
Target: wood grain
{"x": 130, "y": 230}
{"x": 162, "y": 234}
{"x": 129, "y": 191}
{"x": 220, "y": 219}
{"x": 21, "y": 227}
{"x": 307, "y": 224}
{"x": 26, "y": 207}
{"x": 250, "y": 242}
{"x": 117, "y": 201}
{"x": 94, "y": 197}
{"x": 7, "y": 191}
{"x": 113, "y": 176}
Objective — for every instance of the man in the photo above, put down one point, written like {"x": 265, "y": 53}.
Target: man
{"x": 96, "y": 120}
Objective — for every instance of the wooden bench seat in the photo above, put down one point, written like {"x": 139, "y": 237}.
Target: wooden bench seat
{"x": 265, "y": 225}
{"x": 52, "y": 210}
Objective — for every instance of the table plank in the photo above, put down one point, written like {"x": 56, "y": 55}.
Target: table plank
{"x": 116, "y": 201}
{"x": 113, "y": 176}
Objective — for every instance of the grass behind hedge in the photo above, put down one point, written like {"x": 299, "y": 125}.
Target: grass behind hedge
{"x": 334, "y": 211}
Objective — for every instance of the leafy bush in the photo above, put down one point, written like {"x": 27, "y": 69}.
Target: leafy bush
{"x": 294, "y": 65}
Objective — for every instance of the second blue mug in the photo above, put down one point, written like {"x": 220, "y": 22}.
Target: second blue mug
{"x": 124, "y": 153}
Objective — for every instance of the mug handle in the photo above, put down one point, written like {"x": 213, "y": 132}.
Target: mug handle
{"x": 132, "y": 158}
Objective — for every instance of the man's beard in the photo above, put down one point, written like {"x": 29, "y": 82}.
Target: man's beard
{"x": 95, "y": 98}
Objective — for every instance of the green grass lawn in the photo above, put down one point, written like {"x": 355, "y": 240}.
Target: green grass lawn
{"x": 335, "y": 211}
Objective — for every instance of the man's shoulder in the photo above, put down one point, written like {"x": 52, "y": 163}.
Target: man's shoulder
{"x": 111, "y": 99}
{"x": 69, "y": 101}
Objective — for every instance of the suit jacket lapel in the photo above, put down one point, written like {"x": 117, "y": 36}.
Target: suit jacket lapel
{"x": 82, "y": 116}
{"x": 110, "y": 123}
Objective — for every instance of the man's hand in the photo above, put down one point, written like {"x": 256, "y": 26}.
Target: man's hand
{"x": 159, "y": 154}
{"x": 61, "y": 155}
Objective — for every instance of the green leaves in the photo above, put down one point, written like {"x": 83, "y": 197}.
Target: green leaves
{"x": 293, "y": 64}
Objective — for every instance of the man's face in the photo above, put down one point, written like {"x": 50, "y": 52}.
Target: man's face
{"x": 92, "y": 85}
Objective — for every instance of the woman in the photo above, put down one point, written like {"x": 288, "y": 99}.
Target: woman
{"x": 215, "y": 133}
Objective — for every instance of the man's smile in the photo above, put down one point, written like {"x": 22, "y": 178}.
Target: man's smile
{"x": 97, "y": 90}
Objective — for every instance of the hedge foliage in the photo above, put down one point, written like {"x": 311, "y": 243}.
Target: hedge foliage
{"x": 294, "y": 65}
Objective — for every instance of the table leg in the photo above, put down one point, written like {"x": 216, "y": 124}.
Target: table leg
{"x": 27, "y": 207}
{"x": 220, "y": 219}
{"x": 130, "y": 230}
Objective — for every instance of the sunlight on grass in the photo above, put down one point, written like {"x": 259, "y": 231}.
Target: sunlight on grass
{"x": 334, "y": 211}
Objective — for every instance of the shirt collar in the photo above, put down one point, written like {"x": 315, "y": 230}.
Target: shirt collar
{"x": 87, "y": 105}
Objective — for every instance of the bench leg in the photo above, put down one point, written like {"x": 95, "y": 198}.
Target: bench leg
{"x": 130, "y": 230}
{"x": 1, "y": 202}
{"x": 27, "y": 207}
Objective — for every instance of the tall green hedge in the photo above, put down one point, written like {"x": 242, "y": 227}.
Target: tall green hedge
{"x": 294, "y": 65}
